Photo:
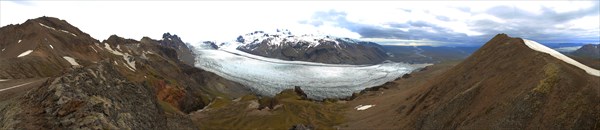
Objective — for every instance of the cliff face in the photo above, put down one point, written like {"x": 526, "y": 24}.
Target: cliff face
{"x": 184, "y": 52}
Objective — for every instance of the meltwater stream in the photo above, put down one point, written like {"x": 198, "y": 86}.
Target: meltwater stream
{"x": 267, "y": 76}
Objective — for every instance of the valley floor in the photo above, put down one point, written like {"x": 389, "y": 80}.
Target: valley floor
{"x": 384, "y": 115}
{"x": 289, "y": 110}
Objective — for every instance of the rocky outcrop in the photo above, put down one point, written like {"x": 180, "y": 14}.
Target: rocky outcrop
{"x": 184, "y": 51}
{"x": 322, "y": 49}
{"x": 96, "y": 97}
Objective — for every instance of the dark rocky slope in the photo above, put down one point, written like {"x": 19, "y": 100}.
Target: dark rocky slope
{"x": 109, "y": 75}
{"x": 96, "y": 97}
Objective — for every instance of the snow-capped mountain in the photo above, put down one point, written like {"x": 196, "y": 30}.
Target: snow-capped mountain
{"x": 284, "y": 45}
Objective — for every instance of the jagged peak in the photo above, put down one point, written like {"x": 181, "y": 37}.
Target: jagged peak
{"x": 171, "y": 37}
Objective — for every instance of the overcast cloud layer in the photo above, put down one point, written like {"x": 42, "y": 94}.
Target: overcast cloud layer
{"x": 398, "y": 23}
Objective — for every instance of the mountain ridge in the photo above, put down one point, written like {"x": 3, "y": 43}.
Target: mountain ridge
{"x": 322, "y": 49}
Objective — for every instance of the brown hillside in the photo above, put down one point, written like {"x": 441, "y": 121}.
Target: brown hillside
{"x": 505, "y": 84}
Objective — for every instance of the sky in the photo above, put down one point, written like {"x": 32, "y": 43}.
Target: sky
{"x": 437, "y": 23}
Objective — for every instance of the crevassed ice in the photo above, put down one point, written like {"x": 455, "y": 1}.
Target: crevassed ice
{"x": 268, "y": 76}
{"x": 541, "y": 48}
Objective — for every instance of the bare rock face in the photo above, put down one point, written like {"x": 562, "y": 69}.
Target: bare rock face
{"x": 184, "y": 52}
{"x": 96, "y": 97}
{"x": 322, "y": 49}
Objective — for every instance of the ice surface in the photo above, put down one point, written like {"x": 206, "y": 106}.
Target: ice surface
{"x": 51, "y": 47}
{"x": 111, "y": 50}
{"x": 19, "y": 41}
{"x": 71, "y": 60}
{"x": 541, "y": 48}
{"x": 25, "y": 53}
{"x": 267, "y": 76}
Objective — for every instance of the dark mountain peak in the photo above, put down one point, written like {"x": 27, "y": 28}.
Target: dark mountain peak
{"x": 588, "y": 51}
{"x": 590, "y": 46}
{"x": 172, "y": 41}
{"x": 114, "y": 39}
{"x": 54, "y": 24}
{"x": 147, "y": 40}
{"x": 165, "y": 35}
{"x": 184, "y": 53}
{"x": 169, "y": 37}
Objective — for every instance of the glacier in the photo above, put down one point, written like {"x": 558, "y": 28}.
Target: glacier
{"x": 268, "y": 76}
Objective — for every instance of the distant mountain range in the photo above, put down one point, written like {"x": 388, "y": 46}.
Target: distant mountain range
{"x": 323, "y": 49}
{"x": 588, "y": 51}
{"x": 55, "y": 76}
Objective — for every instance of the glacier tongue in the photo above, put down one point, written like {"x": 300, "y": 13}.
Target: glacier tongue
{"x": 268, "y": 76}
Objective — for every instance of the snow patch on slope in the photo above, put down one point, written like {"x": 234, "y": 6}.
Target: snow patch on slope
{"x": 94, "y": 49}
{"x": 71, "y": 60}
{"x": 25, "y": 53}
{"x": 130, "y": 62}
{"x": 107, "y": 47}
{"x": 51, "y": 46}
{"x": 363, "y": 107}
{"x": 541, "y": 48}
{"x": 65, "y": 31}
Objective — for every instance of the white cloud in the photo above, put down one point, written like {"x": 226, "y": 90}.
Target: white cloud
{"x": 196, "y": 21}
